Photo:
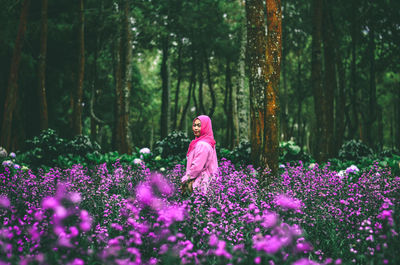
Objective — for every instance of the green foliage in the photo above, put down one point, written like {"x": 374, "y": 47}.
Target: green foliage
{"x": 290, "y": 152}
{"x": 175, "y": 145}
{"x": 49, "y": 150}
{"x": 355, "y": 151}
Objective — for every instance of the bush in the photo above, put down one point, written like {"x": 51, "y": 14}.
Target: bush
{"x": 354, "y": 150}
{"x": 175, "y": 145}
{"x": 49, "y": 150}
{"x": 290, "y": 152}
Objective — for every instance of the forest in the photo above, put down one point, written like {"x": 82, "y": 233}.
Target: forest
{"x": 97, "y": 100}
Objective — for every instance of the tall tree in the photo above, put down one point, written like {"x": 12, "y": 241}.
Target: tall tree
{"x": 166, "y": 89}
{"x": 330, "y": 83}
{"x": 122, "y": 134}
{"x": 264, "y": 64}
{"x": 12, "y": 88}
{"x": 316, "y": 79}
{"x": 78, "y": 92}
{"x": 241, "y": 97}
{"x": 44, "y": 120}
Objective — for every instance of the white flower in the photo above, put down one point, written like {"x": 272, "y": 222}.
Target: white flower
{"x": 352, "y": 169}
{"x": 341, "y": 174}
{"x": 157, "y": 158}
{"x": 12, "y": 155}
{"x": 162, "y": 169}
{"x": 144, "y": 150}
{"x": 312, "y": 166}
{"x": 137, "y": 161}
{"x": 281, "y": 166}
{"x": 7, "y": 163}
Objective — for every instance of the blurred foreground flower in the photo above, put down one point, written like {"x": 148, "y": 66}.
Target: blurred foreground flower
{"x": 287, "y": 202}
{"x": 3, "y": 152}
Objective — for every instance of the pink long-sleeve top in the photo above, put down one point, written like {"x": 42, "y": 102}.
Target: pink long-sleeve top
{"x": 202, "y": 165}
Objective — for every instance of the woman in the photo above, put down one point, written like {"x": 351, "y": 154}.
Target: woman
{"x": 202, "y": 161}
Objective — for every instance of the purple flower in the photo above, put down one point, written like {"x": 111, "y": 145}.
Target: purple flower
{"x": 287, "y": 202}
{"x": 12, "y": 155}
{"x": 49, "y": 203}
{"x": 4, "y": 202}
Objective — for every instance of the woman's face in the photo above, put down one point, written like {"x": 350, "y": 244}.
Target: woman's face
{"x": 196, "y": 127}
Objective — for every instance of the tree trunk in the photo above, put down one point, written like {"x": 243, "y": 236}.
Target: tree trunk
{"x": 178, "y": 85}
{"x": 166, "y": 88}
{"x": 77, "y": 111}
{"x": 44, "y": 120}
{"x": 397, "y": 116}
{"x": 228, "y": 105}
{"x": 122, "y": 135}
{"x": 191, "y": 85}
{"x": 316, "y": 79}
{"x": 274, "y": 54}
{"x": 330, "y": 83}
{"x": 202, "y": 109}
{"x": 241, "y": 98}
{"x": 354, "y": 123}
{"x": 372, "y": 104}
{"x": 210, "y": 87}
{"x": 12, "y": 87}
{"x": 264, "y": 64}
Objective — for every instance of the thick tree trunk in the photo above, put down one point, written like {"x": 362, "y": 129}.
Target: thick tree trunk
{"x": 127, "y": 148}
{"x": 122, "y": 135}
{"x": 316, "y": 79}
{"x": 166, "y": 88}
{"x": 12, "y": 87}
{"x": 77, "y": 111}
{"x": 44, "y": 120}
{"x": 274, "y": 54}
{"x": 264, "y": 64}
{"x": 241, "y": 98}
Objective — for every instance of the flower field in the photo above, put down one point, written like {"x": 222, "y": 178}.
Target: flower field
{"x": 119, "y": 214}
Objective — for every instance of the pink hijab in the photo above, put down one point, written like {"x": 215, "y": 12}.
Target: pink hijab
{"x": 206, "y": 133}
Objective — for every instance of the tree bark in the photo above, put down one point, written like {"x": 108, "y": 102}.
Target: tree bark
{"x": 44, "y": 120}
{"x": 77, "y": 111}
{"x": 316, "y": 79}
{"x": 191, "y": 85}
{"x": 354, "y": 123}
{"x": 122, "y": 138}
{"x": 12, "y": 87}
{"x": 264, "y": 64}
{"x": 372, "y": 104}
{"x": 241, "y": 98}
{"x": 166, "y": 88}
{"x": 397, "y": 117}
{"x": 210, "y": 87}
{"x": 178, "y": 85}
{"x": 274, "y": 54}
